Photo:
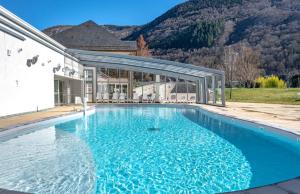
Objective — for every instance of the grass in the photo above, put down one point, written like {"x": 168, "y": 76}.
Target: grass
{"x": 264, "y": 95}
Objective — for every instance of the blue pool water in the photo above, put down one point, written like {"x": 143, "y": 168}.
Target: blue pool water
{"x": 139, "y": 149}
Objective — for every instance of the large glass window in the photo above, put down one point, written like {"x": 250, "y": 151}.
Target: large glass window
{"x": 58, "y": 92}
{"x": 89, "y": 84}
{"x": 181, "y": 91}
{"x": 102, "y": 84}
{"x": 116, "y": 85}
{"x": 171, "y": 89}
{"x": 124, "y": 82}
{"x": 148, "y": 87}
{"x": 137, "y": 86}
{"x": 191, "y": 93}
{"x": 218, "y": 89}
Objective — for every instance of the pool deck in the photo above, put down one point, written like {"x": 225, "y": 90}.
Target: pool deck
{"x": 27, "y": 118}
{"x": 286, "y": 117}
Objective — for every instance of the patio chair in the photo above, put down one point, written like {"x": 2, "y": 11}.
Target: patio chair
{"x": 78, "y": 100}
{"x": 146, "y": 98}
{"x": 192, "y": 99}
{"x": 105, "y": 97}
{"x": 136, "y": 98}
{"x": 183, "y": 99}
{"x": 122, "y": 97}
{"x": 153, "y": 98}
{"x": 173, "y": 98}
{"x": 115, "y": 97}
{"x": 99, "y": 97}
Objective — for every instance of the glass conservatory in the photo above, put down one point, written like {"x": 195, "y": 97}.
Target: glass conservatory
{"x": 113, "y": 78}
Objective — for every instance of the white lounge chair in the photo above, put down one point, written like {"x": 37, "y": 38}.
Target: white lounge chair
{"x": 136, "y": 98}
{"x": 122, "y": 97}
{"x": 153, "y": 98}
{"x": 115, "y": 97}
{"x": 99, "y": 97}
{"x": 105, "y": 97}
{"x": 78, "y": 100}
{"x": 173, "y": 98}
{"x": 183, "y": 99}
{"x": 192, "y": 99}
{"x": 146, "y": 98}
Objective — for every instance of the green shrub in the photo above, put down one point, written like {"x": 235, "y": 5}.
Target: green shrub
{"x": 270, "y": 82}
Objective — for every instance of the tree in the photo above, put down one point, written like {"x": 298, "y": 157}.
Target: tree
{"x": 142, "y": 47}
{"x": 247, "y": 64}
{"x": 229, "y": 67}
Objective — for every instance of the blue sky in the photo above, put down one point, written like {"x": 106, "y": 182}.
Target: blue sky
{"x": 46, "y": 13}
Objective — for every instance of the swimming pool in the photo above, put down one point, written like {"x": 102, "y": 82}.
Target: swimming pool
{"x": 147, "y": 148}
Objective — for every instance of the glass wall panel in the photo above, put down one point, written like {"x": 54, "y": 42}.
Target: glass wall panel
{"x": 124, "y": 82}
{"x": 218, "y": 89}
{"x": 148, "y": 87}
{"x": 102, "y": 84}
{"x": 113, "y": 85}
{"x": 181, "y": 91}
{"x": 171, "y": 94}
{"x": 58, "y": 92}
{"x": 137, "y": 86}
{"x": 191, "y": 93}
{"x": 210, "y": 90}
{"x": 162, "y": 88}
{"x": 89, "y": 91}
{"x": 89, "y": 85}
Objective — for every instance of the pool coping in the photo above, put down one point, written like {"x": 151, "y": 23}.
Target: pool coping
{"x": 285, "y": 186}
{"x": 291, "y": 186}
{"x": 44, "y": 121}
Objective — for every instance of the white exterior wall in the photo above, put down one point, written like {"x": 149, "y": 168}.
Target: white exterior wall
{"x": 23, "y": 88}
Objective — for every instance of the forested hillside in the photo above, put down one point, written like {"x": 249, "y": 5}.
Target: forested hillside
{"x": 200, "y": 31}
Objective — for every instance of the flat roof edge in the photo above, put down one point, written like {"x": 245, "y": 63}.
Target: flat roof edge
{"x": 26, "y": 26}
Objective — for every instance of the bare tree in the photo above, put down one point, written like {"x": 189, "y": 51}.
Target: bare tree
{"x": 229, "y": 66}
{"x": 142, "y": 47}
{"x": 247, "y": 65}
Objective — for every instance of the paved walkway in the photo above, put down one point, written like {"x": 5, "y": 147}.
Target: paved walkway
{"x": 8, "y": 122}
{"x": 280, "y": 116}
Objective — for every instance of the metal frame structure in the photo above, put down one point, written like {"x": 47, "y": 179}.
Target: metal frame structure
{"x": 205, "y": 78}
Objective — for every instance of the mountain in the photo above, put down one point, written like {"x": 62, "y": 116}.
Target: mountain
{"x": 198, "y": 32}
{"x": 120, "y": 32}
{"x": 90, "y": 36}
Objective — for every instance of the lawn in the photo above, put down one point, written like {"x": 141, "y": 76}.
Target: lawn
{"x": 264, "y": 95}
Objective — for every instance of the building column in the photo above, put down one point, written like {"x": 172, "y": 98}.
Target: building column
{"x": 157, "y": 87}
{"x": 130, "y": 85}
{"x": 223, "y": 90}
{"x": 201, "y": 91}
{"x": 213, "y": 87}
{"x": 205, "y": 91}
